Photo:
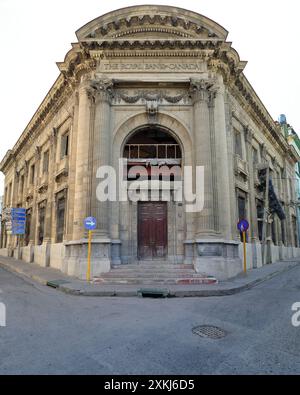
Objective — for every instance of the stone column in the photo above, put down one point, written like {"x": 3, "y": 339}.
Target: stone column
{"x": 101, "y": 151}
{"x": 206, "y": 220}
{"x": 81, "y": 194}
{"x": 34, "y": 219}
{"x": 256, "y": 246}
{"x": 93, "y": 150}
{"x": 12, "y": 240}
{"x": 51, "y": 181}
{"x": 215, "y": 252}
{"x": 223, "y": 165}
{"x": 45, "y": 253}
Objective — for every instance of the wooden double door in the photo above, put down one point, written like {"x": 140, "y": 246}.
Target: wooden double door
{"x": 152, "y": 230}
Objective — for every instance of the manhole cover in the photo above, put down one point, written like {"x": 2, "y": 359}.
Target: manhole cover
{"x": 209, "y": 331}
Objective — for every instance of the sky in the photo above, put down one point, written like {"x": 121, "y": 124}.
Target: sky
{"x": 35, "y": 34}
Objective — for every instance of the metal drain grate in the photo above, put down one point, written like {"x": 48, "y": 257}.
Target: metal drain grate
{"x": 209, "y": 331}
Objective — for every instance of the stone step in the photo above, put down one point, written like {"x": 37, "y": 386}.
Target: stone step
{"x": 153, "y": 267}
{"x": 137, "y": 269}
{"x": 151, "y": 275}
{"x": 178, "y": 281}
{"x": 154, "y": 272}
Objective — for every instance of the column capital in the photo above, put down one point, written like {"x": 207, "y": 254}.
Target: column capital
{"x": 37, "y": 152}
{"x": 101, "y": 90}
{"x": 199, "y": 90}
{"x": 264, "y": 151}
{"x": 203, "y": 90}
{"x": 248, "y": 134}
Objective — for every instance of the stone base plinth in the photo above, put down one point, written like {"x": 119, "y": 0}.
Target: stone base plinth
{"x": 217, "y": 258}
{"x": 28, "y": 253}
{"x": 42, "y": 254}
{"x": 77, "y": 253}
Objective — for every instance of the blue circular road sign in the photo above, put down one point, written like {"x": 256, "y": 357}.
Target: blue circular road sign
{"x": 90, "y": 223}
{"x": 243, "y": 225}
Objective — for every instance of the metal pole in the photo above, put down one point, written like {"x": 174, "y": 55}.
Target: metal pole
{"x": 245, "y": 254}
{"x": 88, "y": 274}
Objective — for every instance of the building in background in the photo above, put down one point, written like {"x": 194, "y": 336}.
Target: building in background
{"x": 294, "y": 141}
{"x": 159, "y": 86}
{"x": 1, "y": 207}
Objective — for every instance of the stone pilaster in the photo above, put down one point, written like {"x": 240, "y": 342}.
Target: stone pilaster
{"x": 223, "y": 165}
{"x": 253, "y": 214}
{"x": 206, "y": 220}
{"x": 214, "y": 250}
{"x": 51, "y": 197}
{"x": 34, "y": 220}
{"x": 81, "y": 194}
{"x": 102, "y": 92}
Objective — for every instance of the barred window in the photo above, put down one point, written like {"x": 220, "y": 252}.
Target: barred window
{"x": 60, "y": 219}
{"x": 238, "y": 144}
{"x": 64, "y": 148}
{"x": 27, "y": 227}
{"x": 42, "y": 213}
{"x": 46, "y": 162}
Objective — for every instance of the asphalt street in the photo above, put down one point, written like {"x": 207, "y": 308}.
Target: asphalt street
{"x": 49, "y": 332}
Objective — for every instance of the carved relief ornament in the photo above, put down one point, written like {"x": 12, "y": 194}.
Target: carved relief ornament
{"x": 202, "y": 90}
{"x": 101, "y": 90}
{"x": 146, "y": 96}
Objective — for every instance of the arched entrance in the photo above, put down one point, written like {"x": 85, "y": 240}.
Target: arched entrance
{"x": 156, "y": 155}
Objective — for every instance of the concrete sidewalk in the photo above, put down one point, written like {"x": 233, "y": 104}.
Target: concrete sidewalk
{"x": 69, "y": 285}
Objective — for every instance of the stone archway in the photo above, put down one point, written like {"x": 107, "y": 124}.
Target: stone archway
{"x": 125, "y": 215}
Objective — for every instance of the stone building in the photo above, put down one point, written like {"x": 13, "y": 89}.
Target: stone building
{"x": 161, "y": 86}
{"x": 293, "y": 140}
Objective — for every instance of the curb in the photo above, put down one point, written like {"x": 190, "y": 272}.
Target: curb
{"x": 67, "y": 288}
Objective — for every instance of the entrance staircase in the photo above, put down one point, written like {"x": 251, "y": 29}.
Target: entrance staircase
{"x": 154, "y": 272}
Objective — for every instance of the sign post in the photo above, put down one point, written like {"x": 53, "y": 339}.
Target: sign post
{"x": 243, "y": 226}
{"x": 90, "y": 224}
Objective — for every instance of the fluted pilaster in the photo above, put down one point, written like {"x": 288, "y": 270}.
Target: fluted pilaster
{"x": 102, "y": 93}
{"x": 81, "y": 193}
{"x": 206, "y": 220}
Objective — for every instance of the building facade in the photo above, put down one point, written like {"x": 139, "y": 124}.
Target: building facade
{"x": 161, "y": 87}
{"x": 294, "y": 141}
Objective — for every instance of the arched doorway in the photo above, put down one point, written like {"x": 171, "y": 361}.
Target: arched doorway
{"x": 159, "y": 154}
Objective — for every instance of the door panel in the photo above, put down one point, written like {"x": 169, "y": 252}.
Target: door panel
{"x": 152, "y": 230}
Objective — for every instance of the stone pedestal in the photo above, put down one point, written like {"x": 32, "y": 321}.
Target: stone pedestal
{"x": 188, "y": 252}
{"x": 115, "y": 252}
{"x": 42, "y": 254}
{"x": 28, "y": 253}
{"x": 76, "y": 257}
{"x": 256, "y": 254}
{"x": 218, "y": 258}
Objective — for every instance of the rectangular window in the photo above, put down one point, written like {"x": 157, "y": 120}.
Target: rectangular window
{"x": 241, "y": 210}
{"x": 255, "y": 157}
{"x": 9, "y": 193}
{"x": 27, "y": 227}
{"x": 32, "y": 174}
{"x": 6, "y": 197}
{"x": 283, "y": 232}
{"x": 273, "y": 232}
{"x": 46, "y": 162}
{"x": 42, "y": 213}
{"x": 64, "y": 148}
{"x": 242, "y": 207}
{"x": 60, "y": 220}
{"x": 294, "y": 223}
{"x": 238, "y": 144}
{"x": 260, "y": 217}
{"x": 21, "y": 186}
